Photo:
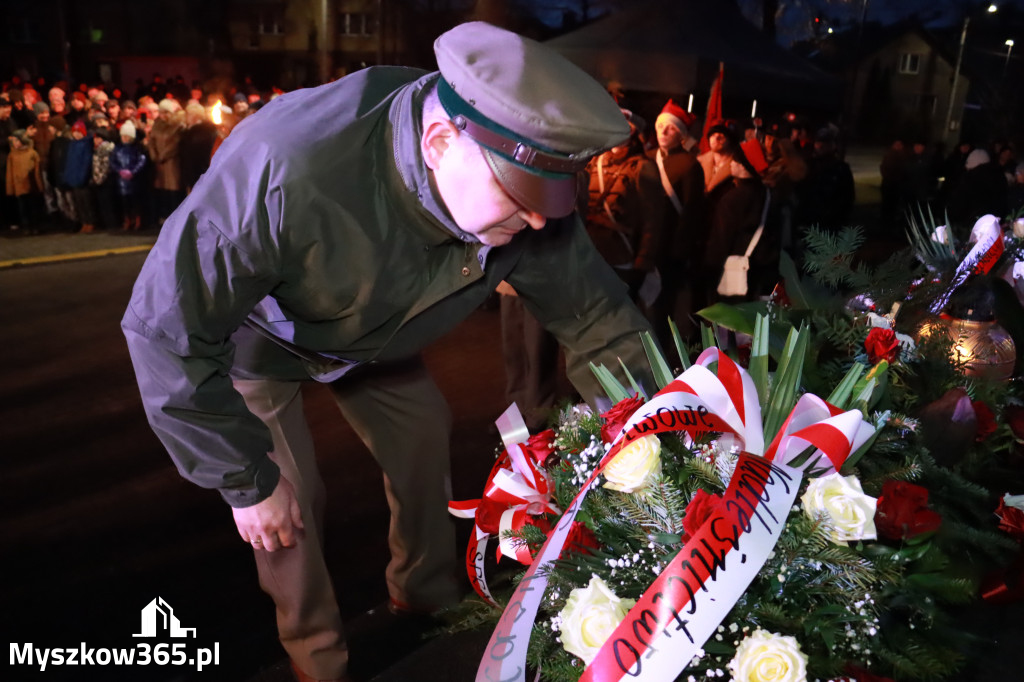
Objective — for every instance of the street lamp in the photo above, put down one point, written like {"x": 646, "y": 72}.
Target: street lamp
{"x": 1009, "y": 49}
{"x": 992, "y": 9}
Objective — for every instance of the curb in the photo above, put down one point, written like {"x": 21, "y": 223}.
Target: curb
{"x": 81, "y": 255}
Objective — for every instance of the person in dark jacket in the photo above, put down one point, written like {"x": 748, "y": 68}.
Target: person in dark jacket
{"x": 8, "y": 205}
{"x": 338, "y": 232}
{"x": 77, "y": 172}
{"x": 196, "y": 145}
{"x": 740, "y": 213}
{"x": 982, "y": 190}
{"x": 894, "y": 179}
{"x": 625, "y": 214}
{"x": 828, "y": 192}
{"x": 682, "y": 184}
{"x": 126, "y": 164}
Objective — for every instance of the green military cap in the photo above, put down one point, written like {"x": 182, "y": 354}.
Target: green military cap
{"x": 537, "y": 117}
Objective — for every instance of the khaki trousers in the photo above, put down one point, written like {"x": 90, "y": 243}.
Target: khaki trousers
{"x": 403, "y": 419}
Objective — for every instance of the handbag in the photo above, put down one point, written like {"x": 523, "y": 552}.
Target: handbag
{"x": 734, "y": 276}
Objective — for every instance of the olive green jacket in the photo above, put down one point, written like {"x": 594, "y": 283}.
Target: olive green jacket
{"x": 316, "y": 243}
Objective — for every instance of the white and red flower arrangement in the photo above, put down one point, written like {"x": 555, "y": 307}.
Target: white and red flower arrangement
{"x": 688, "y": 537}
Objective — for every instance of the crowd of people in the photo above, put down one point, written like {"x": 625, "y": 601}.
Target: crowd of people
{"x": 972, "y": 180}
{"x": 670, "y": 207}
{"x": 382, "y": 226}
{"x": 90, "y": 158}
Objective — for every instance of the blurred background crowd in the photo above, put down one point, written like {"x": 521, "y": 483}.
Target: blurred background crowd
{"x": 95, "y": 157}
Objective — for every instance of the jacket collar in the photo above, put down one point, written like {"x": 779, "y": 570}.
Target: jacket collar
{"x": 406, "y": 120}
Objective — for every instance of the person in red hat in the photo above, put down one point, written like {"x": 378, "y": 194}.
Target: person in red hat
{"x": 79, "y": 108}
{"x": 682, "y": 181}
{"x": 76, "y": 174}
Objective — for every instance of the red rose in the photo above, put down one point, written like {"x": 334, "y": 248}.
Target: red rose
{"x": 779, "y": 296}
{"x": 580, "y": 540}
{"x": 882, "y": 344}
{"x": 540, "y": 447}
{"x": 743, "y": 355}
{"x": 488, "y": 515}
{"x": 616, "y": 418}
{"x": 902, "y": 512}
{"x": 1015, "y": 418}
{"x": 1011, "y": 519}
{"x": 701, "y": 506}
{"x": 986, "y": 420}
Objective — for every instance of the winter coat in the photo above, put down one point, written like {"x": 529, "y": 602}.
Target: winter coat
{"x": 625, "y": 215}
{"x": 78, "y": 165}
{"x": 735, "y": 222}
{"x": 23, "y": 172}
{"x": 45, "y": 134}
{"x": 58, "y": 160}
{"x": 101, "y": 162}
{"x": 196, "y": 149}
{"x": 686, "y": 230}
{"x": 129, "y": 157}
{"x": 163, "y": 145}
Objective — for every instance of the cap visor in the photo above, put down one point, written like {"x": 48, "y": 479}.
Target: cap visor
{"x": 551, "y": 195}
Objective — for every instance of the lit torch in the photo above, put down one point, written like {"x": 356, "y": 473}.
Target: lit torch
{"x": 215, "y": 114}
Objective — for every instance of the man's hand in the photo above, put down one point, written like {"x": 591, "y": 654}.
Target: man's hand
{"x": 271, "y": 524}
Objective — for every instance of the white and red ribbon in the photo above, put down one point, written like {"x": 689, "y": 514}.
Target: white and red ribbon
{"x": 661, "y": 633}
{"x": 987, "y": 236}
{"x": 518, "y": 483}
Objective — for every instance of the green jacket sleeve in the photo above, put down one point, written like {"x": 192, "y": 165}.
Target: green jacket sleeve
{"x": 566, "y": 284}
{"x": 215, "y": 259}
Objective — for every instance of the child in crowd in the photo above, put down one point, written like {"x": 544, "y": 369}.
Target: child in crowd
{"x": 102, "y": 181}
{"x": 24, "y": 180}
{"x": 126, "y": 162}
{"x": 77, "y": 172}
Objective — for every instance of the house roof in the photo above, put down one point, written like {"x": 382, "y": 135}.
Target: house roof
{"x": 657, "y": 45}
{"x": 847, "y": 49}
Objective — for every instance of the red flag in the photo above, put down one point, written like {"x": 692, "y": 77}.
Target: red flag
{"x": 714, "y": 113}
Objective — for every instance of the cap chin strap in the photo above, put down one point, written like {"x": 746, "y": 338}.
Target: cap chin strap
{"x": 503, "y": 141}
{"x": 521, "y": 153}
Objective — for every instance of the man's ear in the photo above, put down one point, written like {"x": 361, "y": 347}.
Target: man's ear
{"x": 436, "y": 140}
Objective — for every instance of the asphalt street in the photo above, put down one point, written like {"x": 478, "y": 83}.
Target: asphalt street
{"x": 96, "y": 522}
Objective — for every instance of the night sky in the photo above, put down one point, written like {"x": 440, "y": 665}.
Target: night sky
{"x": 796, "y": 16}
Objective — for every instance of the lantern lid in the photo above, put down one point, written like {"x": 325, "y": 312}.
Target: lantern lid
{"x": 973, "y": 301}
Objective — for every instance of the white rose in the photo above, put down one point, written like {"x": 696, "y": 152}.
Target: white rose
{"x": 843, "y": 502}
{"x": 589, "y": 617}
{"x": 635, "y": 465}
{"x": 768, "y": 657}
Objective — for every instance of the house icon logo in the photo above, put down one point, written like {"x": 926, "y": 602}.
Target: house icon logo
{"x": 158, "y": 619}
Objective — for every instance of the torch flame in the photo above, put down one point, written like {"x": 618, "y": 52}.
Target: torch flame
{"x": 215, "y": 113}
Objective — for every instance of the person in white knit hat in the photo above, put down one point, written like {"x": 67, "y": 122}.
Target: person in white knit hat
{"x": 126, "y": 164}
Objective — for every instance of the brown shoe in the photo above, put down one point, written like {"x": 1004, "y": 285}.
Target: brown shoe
{"x": 303, "y": 677}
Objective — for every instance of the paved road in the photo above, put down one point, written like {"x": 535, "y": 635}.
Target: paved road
{"x": 96, "y": 522}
